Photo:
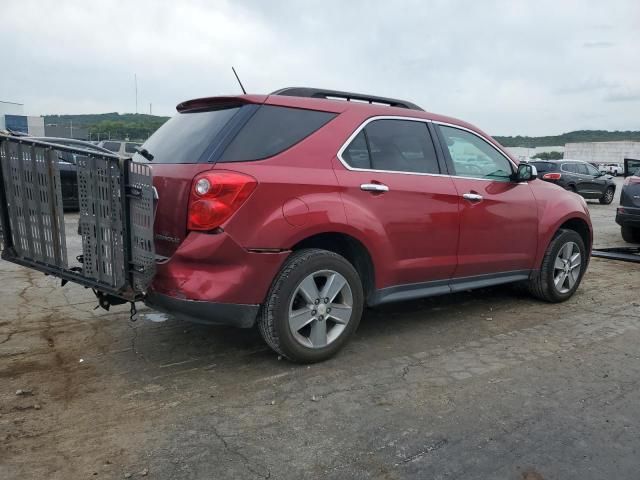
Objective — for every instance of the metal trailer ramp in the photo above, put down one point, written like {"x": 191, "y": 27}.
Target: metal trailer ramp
{"x": 623, "y": 254}
{"x": 115, "y": 195}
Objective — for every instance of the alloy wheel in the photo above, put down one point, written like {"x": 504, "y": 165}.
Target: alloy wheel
{"x": 567, "y": 266}
{"x": 608, "y": 196}
{"x": 320, "y": 308}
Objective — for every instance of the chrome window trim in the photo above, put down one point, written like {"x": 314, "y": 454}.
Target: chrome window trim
{"x": 361, "y": 127}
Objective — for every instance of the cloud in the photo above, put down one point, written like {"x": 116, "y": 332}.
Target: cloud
{"x": 623, "y": 96}
{"x": 586, "y": 85}
{"x": 598, "y": 44}
{"x": 507, "y": 66}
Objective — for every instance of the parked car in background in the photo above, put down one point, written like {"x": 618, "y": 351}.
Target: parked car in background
{"x": 122, "y": 148}
{"x": 628, "y": 213}
{"x": 614, "y": 169}
{"x": 298, "y": 209}
{"x": 579, "y": 177}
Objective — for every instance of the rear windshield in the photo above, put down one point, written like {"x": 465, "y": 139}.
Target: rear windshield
{"x": 256, "y": 132}
{"x": 542, "y": 167}
{"x": 185, "y": 136}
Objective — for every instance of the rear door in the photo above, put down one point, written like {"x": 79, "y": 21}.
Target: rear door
{"x": 588, "y": 182}
{"x": 498, "y": 217}
{"x": 597, "y": 182}
{"x": 392, "y": 188}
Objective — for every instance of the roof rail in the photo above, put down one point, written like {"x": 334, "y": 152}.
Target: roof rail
{"x": 348, "y": 96}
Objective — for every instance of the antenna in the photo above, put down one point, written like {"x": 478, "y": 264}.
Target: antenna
{"x": 238, "y": 78}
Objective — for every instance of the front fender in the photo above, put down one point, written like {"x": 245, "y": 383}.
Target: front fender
{"x": 557, "y": 206}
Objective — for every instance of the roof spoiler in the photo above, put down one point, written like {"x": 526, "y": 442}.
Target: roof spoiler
{"x": 209, "y": 103}
{"x": 348, "y": 96}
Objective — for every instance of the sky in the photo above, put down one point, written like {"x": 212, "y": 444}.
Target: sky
{"x": 510, "y": 67}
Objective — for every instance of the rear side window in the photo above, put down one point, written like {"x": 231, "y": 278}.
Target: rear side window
{"x": 569, "y": 167}
{"x": 543, "y": 167}
{"x": 186, "y": 136}
{"x": 393, "y": 145}
{"x": 272, "y": 130}
{"x": 357, "y": 153}
{"x": 112, "y": 146}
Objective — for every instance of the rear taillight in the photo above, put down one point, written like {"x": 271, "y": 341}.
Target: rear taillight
{"x": 552, "y": 176}
{"x": 215, "y": 196}
{"x": 632, "y": 180}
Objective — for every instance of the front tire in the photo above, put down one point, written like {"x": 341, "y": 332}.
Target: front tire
{"x": 313, "y": 307}
{"x": 608, "y": 195}
{"x": 563, "y": 267}
{"x": 630, "y": 234}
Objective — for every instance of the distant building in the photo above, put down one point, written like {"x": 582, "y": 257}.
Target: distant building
{"x": 602, "y": 152}
{"x": 12, "y": 118}
{"x": 526, "y": 153}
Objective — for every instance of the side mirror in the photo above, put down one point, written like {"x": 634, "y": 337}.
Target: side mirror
{"x": 631, "y": 166}
{"x": 525, "y": 173}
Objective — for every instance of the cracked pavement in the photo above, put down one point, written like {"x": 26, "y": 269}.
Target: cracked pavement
{"x": 477, "y": 385}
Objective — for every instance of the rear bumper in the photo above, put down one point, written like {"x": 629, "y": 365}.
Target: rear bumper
{"x": 210, "y": 313}
{"x": 212, "y": 279}
{"x": 628, "y": 217}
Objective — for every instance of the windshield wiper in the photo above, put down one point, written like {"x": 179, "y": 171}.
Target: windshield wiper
{"x": 145, "y": 153}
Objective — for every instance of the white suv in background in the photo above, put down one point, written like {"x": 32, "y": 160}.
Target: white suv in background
{"x": 614, "y": 169}
{"x": 122, "y": 148}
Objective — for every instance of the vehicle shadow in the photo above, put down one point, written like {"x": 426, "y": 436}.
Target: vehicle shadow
{"x": 389, "y": 330}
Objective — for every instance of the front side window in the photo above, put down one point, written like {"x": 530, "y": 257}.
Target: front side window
{"x": 473, "y": 157}
{"x": 394, "y": 146}
{"x": 581, "y": 168}
{"x": 593, "y": 171}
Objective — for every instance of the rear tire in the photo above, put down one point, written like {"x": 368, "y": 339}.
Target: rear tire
{"x": 554, "y": 283}
{"x": 298, "y": 319}
{"x": 630, "y": 234}
{"x": 572, "y": 188}
{"x": 608, "y": 195}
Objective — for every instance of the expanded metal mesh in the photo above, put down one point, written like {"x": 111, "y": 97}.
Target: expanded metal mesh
{"x": 141, "y": 225}
{"x": 115, "y": 201}
{"x": 101, "y": 227}
{"x": 34, "y": 203}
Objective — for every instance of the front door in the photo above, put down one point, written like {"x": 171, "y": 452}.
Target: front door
{"x": 498, "y": 217}
{"x": 392, "y": 189}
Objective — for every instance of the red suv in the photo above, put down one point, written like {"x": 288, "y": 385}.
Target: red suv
{"x": 296, "y": 210}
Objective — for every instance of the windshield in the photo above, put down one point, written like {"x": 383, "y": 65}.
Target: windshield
{"x": 542, "y": 167}
{"x": 185, "y": 137}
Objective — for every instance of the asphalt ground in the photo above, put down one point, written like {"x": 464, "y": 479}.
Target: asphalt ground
{"x": 489, "y": 384}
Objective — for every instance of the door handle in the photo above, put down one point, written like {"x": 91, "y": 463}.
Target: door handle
{"x": 374, "y": 187}
{"x": 472, "y": 197}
